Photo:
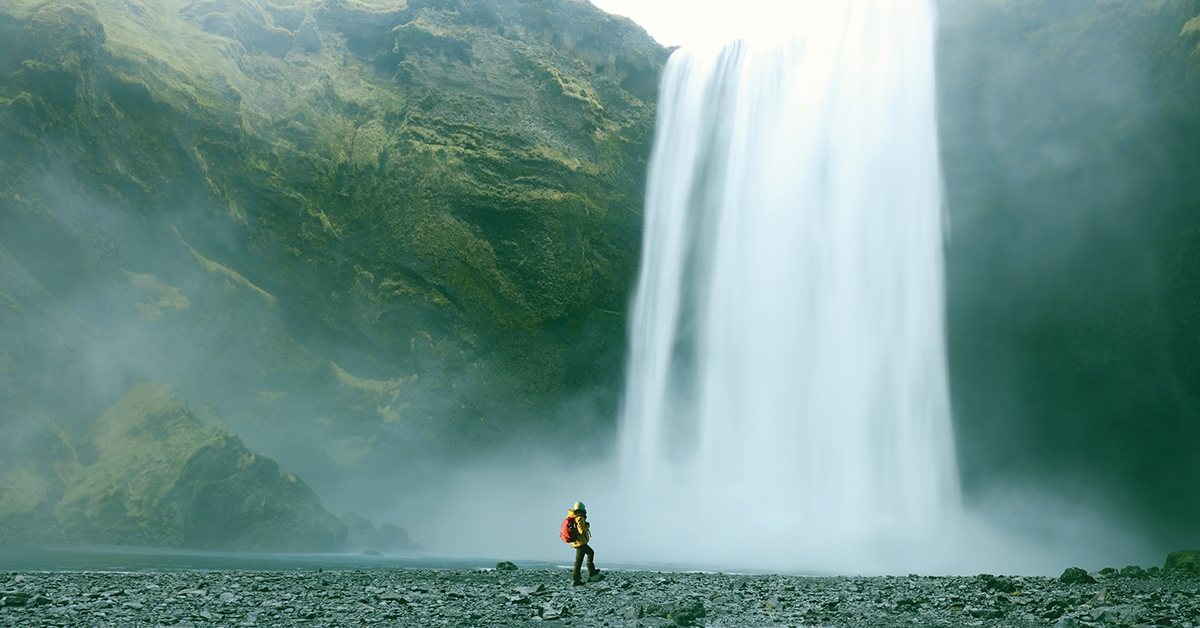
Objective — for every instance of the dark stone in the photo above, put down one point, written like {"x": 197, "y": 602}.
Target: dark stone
{"x": 1184, "y": 560}
{"x": 1075, "y": 575}
{"x": 1133, "y": 571}
{"x": 687, "y": 613}
{"x": 505, "y": 565}
{"x": 998, "y": 583}
{"x": 683, "y": 613}
{"x": 15, "y": 599}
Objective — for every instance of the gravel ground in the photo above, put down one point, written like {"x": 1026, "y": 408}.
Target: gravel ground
{"x": 460, "y": 597}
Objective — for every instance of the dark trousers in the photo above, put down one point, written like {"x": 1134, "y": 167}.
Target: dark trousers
{"x": 580, "y": 552}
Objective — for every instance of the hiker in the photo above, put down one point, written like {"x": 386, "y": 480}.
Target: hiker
{"x": 577, "y": 531}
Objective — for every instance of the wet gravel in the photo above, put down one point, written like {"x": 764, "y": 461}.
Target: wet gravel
{"x": 525, "y": 597}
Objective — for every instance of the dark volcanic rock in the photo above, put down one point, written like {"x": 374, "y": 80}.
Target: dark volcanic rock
{"x": 1133, "y": 571}
{"x": 1185, "y": 560}
{"x": 628, "y": 599}
{"x": 1075, "y": 575}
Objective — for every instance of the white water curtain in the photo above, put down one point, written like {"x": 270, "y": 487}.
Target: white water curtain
{"x": 787, "y": 364}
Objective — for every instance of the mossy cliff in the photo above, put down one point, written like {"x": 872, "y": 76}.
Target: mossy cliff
{"x": 365, "y": 229}
{"x": 368, "y": 231}
{"x": 1071, "y": 146}
{"x": 150, "y": 471}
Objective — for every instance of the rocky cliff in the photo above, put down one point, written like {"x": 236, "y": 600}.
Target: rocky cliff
{"x": 367, "y": 232}
{"x": 151, "y": 472}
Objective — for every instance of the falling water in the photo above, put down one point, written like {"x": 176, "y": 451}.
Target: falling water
{"x": 787, "y": 378}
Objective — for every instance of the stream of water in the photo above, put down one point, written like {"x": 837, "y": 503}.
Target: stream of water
{"x": 787, "y": 382}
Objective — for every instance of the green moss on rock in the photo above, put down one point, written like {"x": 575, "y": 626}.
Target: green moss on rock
{"x": 160, "y": 468}
{"x": 235, "y": 195}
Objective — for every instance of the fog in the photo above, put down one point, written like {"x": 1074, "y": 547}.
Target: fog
{"x": 1070, "y": 148}
{"x": 1070, "y": 195}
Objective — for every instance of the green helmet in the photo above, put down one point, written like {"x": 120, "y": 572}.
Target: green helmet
{"x": 579, "y": 507}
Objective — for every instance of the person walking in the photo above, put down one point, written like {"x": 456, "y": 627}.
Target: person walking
{"x": 578, "y": 532}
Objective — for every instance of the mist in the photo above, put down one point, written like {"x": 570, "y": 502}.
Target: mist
{"x": 1070, "y": 161}
{"x": 357, "y": 302}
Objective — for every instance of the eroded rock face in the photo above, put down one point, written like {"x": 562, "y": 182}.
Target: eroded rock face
{"x": 386, "y": 231}
{"x": 152, "y": 472}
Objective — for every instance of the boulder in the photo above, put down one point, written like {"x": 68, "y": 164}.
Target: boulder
{"x": 998, "y": 583}
{"x": 1133, "y": 571}
{"x": 1184, "y": 560}
{"x": 1075, "y": 575}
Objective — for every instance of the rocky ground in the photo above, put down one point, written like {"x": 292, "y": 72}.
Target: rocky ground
{"x": 516, "y": 597}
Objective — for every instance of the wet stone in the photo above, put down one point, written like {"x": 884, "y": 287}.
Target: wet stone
{"x": 627, "y": 599}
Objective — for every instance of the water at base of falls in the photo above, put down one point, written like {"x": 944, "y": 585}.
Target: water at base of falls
{"x": 787, "y": 383}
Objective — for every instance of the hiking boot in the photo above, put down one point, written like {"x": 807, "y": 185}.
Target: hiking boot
{"x": 593, "y": 572}
{"x": 577, "y": 583}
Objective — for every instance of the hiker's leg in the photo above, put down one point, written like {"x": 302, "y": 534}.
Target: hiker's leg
{"x": 578, "y": 563}
{"x": 591, "y": 557}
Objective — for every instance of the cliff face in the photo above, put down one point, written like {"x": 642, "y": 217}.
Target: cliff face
{"x": 149, "y": 471}
{"x": 1071, "y": 146}
{"x": 372, "y": 232}
{"x": 367, "y": 231}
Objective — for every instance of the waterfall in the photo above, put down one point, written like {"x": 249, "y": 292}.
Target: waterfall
{"x": 787, "y": 373}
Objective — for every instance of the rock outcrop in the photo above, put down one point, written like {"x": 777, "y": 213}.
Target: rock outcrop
{"x": 1184, "y": 560}
{"x": 387, "y": 539}
{"x": 149, "y": 471}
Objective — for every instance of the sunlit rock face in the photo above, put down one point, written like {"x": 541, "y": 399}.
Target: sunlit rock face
{"x": 370, "y": 232}
{"x": 787, "y": 374}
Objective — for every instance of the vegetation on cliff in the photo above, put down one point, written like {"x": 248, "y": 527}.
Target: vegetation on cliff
{"x": 150, "y": 471}
{"x": 368, "y": 231}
